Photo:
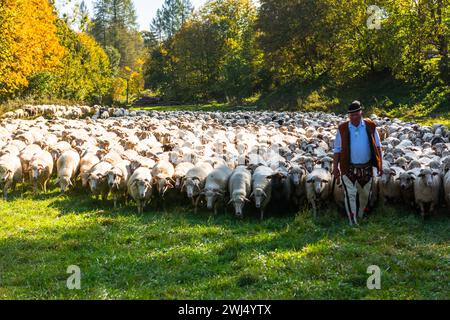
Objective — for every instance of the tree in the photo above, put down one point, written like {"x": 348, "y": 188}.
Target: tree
{"x": 213, "y": 55}
{"x": 115, "y": 25}
{"x": 170, "y": 17}
{"x": 28, "y": 44}
{"x": 83, "y": 74}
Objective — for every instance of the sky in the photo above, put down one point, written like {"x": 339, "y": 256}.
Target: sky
{"x": 145, "y": 9}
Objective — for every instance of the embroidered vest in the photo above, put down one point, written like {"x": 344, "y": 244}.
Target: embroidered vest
{"x": 344, "y": 163}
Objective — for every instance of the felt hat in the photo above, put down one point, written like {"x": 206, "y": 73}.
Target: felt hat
{"x": 356, "y": 106}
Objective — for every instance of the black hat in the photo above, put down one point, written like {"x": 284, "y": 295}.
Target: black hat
{"x": 356, "y": 106}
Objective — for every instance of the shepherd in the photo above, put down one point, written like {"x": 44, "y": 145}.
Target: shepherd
{"x": 357, "y": 151}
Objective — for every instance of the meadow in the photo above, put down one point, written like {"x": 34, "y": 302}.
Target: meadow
{"x": 176, "y": 254}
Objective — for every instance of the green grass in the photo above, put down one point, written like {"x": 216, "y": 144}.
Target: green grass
{"x": 380, "y": 93}
{"x": 194, "y": 107}
{"x": 181, "y": 255}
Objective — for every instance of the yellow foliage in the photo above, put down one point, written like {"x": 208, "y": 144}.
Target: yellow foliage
{"x": 119, "y": 86}
{"x": 29, "y": 42}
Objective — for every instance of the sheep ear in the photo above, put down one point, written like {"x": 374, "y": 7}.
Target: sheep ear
{"x": 435, "y": 173}
{"x": 309, "y": 181}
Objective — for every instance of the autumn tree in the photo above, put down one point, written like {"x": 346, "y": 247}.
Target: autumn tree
{"x": 29, "y": 43}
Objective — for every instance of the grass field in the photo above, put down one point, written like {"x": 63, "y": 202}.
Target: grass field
{"x": 180, "y": 255}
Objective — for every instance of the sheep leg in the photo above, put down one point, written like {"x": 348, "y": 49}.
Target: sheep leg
{"x": 215, "y": 208}
{"x": 422, "y": 209}
{"x": 115, "y": 201}
{"x": 225, "y": 207}
{"x": 45, "y": 186}
{"x": 313, "y": 203}
{"x": 432, "y": 207}
{"x": 262, "y": 214}
{"x": 105, "y": 196}
{"x": 139, "y": 206}
{"x": 196, "y": 204}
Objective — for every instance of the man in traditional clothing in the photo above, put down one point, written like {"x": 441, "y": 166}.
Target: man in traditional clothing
{"x": 357, "y": 150}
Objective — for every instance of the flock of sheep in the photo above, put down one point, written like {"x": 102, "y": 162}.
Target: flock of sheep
{"x": 242, "y": 159}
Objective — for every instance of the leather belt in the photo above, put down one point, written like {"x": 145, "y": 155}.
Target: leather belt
{"x": 365, "y": 165}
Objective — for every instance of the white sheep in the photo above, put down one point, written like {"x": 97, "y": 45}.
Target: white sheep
{"x": 318, "y": 187}
{"x": 216, "y": 186}
{"x": 162, "y": 174}
{"x": 180, "y": 172}
{"x": 389, "y": 185}
{"x": 98, "y": 179}
{"x": 262, "y": 188}
{"x": 427, "y": 186}
{"x": 239, "y": 188}
{"x": 87, "y": 162}
{"x": 41, "y": 168}
{"x": 140, "y": 187}
{"x": 10, "y": 173}
{"x": 194, "y": 181}
{"x": 67, "y": 167}
{"x": 117, "y": 178}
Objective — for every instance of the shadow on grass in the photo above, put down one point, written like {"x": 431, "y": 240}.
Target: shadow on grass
{"x": 179, "y": 254}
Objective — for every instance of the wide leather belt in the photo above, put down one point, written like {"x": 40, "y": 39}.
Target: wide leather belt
{"x": 365, "y": 165}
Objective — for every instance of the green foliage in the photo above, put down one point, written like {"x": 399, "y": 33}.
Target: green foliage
{"x": 115, "y": 27}
{"x": 170, "y": 18}
{"x": 84, "y": 73}
{"x": 213, "y": 55}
